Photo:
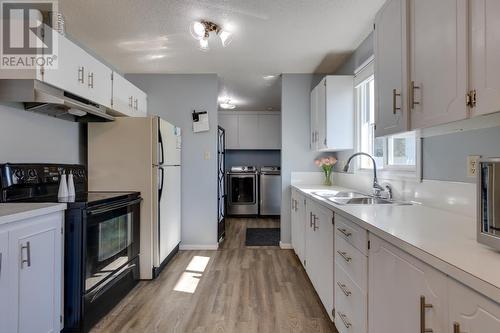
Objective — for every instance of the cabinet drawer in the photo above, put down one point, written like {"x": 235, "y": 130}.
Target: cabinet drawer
{"x": 350, "y": 304}
{"x": 352, "y": 261}
{"x": 352, "y": 233}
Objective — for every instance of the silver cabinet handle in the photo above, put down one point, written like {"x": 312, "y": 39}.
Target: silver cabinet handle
{"x": 344, "y": 319}
{"x": 344, "y": 289}
{"x": 81, "y": 74}
{"x": 130, "y": 101}
{"x": 0, "y": 264}
{"x": 456, "y": 328}
{"x": 136, "y": 104}
{"x": 423, "y": 307}
{"x": 345, "y": 256}
{"x": 344, "y": 232}
{"x": 394, "y": 95}
{"x": 28, "y": 255}
{"x": 312, "y": 137}
{"x": 315, "y": 218}
{"x": 412, "y": 94}
{"x": 310, "y": 219}
{"x": 90, "y": 80}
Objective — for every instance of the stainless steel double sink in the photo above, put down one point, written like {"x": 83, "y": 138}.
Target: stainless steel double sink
{"x": 355, "y": 198}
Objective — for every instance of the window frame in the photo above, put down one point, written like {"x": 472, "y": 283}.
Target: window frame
{"x": 362, "y": 75}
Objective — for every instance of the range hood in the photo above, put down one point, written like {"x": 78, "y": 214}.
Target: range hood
{"x": 43, "y": 98}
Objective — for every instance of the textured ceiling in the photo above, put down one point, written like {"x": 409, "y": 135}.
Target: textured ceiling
{"x": 270, "y": 37}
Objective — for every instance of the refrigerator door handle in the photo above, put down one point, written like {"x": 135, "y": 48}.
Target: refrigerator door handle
{"x": 160, "y": 189}
{"x": 162, "y": 157}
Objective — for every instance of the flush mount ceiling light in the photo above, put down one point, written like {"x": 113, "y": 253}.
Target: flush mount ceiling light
{"x": 227, "y": 105}
{"x": 201, "y": 31}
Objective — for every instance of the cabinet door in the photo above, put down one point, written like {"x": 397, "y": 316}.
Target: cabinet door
{"x": 229, "y": 122}
{"x": 438, "y": 61}
{"x": 98, "y": 81}
{"x": 390, "y": 47}
{"x": 4, "y": 283}
{"x": 123, "y": 99}
{"x": 397, "y": 281}
{"x": 337, "y": 127}
{"x": 298, "y": 221}
{"x": 269, "y": 131}
{"x": 70, "y": 74}
{"x": 471, "y": 312}
{"x": 141, "y": 102}
{"x": 319, "y": 253}
{"x": 485, "y": 55}
{"x": 35, "y": 274}
{"x": 313, "y": 119}
{"x": 321, "y": 124}
{"x": 248, "y": 129}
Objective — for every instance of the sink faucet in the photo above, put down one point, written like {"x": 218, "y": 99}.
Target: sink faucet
{"x": 377, "y": 189}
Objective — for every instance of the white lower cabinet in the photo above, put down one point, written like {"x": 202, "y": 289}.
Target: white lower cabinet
{"x": 32, "y": 270}
{"x": 351, "y": 271}
{"x": 298, "y": 221}
{"x": 405, "y": 294}
{"x": 471, "y": 312}
{"x": 319, "y": 252}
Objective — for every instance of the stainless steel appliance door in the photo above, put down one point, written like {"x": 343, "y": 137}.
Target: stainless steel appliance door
{"x": 270, "y": 194}
{"x": 242, "y": 194}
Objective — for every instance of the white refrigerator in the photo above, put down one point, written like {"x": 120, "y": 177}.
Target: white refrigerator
{"x": 142, "y": 154}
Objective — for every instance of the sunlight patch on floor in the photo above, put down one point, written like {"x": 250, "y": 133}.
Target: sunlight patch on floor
{"x": 188, "y": 282}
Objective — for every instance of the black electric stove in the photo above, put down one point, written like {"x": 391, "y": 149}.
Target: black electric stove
{"x": 101, "y": 235}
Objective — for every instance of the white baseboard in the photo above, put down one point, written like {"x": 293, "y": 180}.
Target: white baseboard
{"x": 286, "y": 246}
{"x": 184, "y": 247}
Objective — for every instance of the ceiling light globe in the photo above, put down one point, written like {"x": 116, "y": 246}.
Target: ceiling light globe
{"x": 226, "y": 37}
{"x": 197, "y": 30}
{"x": 204, "y": 44}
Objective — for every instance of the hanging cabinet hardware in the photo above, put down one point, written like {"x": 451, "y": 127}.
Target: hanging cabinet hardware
{"x": 345, "y": 256}
{"x": 81, "y": 74}
{"x": 412, "y": 94}
{"x": 136, "y": 104}
{"x": 394, "y": 95}
{"x": 315, "y": 218}
{"x": 470, "y": 98}
{"x": 344, "y": 289}
{"x": 28, "y": 255}
{"x": 456, "y": 328}
{"x": 344, "y": 232}
{"x": 344, "y": 319}
{"x": 310, "y": 219}
{"x": 333, "y": 219}
{"x": 0, "y": 264}
{"x": 423, "y": 307}
{"x": 91, "y": 80}
{"x": 130, "y": 100}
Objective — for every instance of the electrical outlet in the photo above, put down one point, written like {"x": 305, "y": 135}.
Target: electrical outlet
{"x": 472, "y": 165}
{"x": 206, "y": 155}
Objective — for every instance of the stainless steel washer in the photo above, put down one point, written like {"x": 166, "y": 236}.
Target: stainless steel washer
{"x": 270, "y": 190}
{"x": 243, "y": 195}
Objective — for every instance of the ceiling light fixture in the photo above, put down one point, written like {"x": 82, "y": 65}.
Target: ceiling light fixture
{"x": 201, "y": 30}
{"x": 227, "y": 105}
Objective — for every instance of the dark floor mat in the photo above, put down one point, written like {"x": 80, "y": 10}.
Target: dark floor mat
{"x": 262, "y": 237}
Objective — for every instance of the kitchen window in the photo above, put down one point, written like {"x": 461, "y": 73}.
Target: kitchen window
{"x": 393, "y": 152}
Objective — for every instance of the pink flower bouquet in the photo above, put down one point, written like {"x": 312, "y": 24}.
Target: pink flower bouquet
{"x": 326, "y": 164}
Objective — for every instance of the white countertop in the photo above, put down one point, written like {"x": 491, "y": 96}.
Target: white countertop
{"x": 12, "y": 212}
{"x": 444, "y": 240}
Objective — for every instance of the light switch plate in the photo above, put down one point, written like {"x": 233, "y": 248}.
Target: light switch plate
{"x": 472, "y": 165}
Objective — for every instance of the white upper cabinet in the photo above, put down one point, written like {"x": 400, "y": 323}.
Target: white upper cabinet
{"x": 251, "y": 130}
{"x": 230, "y": 124}
{"x": 471, "y": 312}
{"x": 438, "y": 62}
{"x": 390, "y": 47}
{"x": 405, "y": 294}
{"x": 98, "y": 81}
{"x": 332, "y": 114}
{"x": 484, "y": 62}
{"x": 128, "y": 100}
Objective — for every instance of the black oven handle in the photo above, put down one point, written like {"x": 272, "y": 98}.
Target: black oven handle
{"x": 113, "y": 207}
{"x": 111, "y": 281}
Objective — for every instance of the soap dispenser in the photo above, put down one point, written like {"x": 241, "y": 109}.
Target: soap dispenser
{"x": 71, "y": 185}
{"x": 63, "y": 187}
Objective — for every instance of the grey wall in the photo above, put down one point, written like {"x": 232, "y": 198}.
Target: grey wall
{"x": 174, "y": 97}
{"x": 295, "y": 124}
{"x": 445, "y": 156}
{"x": 27, "y": 137}
{"x": 256, "y": 158}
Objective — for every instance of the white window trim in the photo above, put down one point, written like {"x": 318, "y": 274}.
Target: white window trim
{"x": 362, "y": 74}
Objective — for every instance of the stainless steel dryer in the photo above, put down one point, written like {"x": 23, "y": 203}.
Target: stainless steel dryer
{"x": 242, "y": 191}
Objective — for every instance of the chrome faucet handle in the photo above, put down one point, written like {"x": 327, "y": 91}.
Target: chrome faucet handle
{"x": 386, "y": 192}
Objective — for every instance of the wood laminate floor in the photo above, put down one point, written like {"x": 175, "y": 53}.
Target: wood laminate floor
{"x": 232, "y": 290}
